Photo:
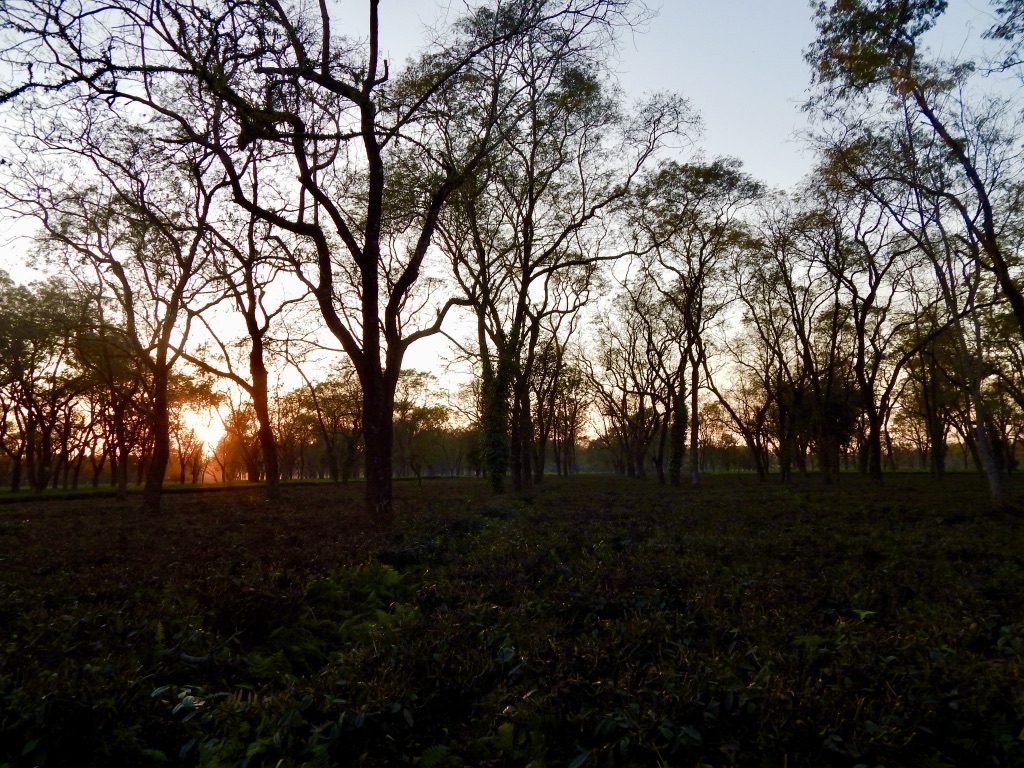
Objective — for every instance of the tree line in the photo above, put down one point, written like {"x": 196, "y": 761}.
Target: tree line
{"x": 185, "y": 159}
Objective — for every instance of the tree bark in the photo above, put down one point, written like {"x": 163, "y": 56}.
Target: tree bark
{"x": 261, "y": 405}
{"x": 156, "y": 469}
{"x": 378, "y": 432}
{"x": 694, "y": 426}
{"x": 677, "y": 439}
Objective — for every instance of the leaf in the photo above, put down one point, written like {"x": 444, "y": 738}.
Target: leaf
{"x": 186, "y": 748}
{"x": 810, "y": 643}
{"x": 434, "y": 757}
{"x": 691, "y": 735}
{"x": 506, "y": 736}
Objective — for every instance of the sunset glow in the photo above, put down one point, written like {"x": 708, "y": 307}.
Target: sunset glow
{"x": 206, "y": 424}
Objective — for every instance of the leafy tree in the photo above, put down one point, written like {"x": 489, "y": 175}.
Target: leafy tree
{"x": 874, "y": 48}
{"x": 690, "y": 219}
{"x": 874, "y": 266}
{"x": 329, "y": 127}
{"x": 40, "y": 380}
{"x": 628, "y": 376}
{"x": 526, "y": 232}
{"x": 118, "y": 384}
{"x": 419, "y": 421}
{"x": 190, "y": 394}
{"x": 801, "y": 330}
{"x": 552, "y": 383}
{"x": 336, "y": 407}
{"x": 923, "y": 198}
{"x": 134, "y": 233}
{"x": 245, "y": 261}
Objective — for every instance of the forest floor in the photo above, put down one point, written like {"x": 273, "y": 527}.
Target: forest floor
{"x": 591, "y": 622}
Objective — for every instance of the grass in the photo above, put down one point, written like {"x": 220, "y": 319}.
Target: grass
{"x": 592, "y": 622}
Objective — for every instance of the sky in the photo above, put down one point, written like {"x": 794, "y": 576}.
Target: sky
{"x": 740, "y": 62}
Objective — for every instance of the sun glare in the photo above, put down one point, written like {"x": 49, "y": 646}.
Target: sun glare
{"x": 206, "y": 424}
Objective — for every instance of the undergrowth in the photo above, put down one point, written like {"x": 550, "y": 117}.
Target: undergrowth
{"x": 593, "y": 622}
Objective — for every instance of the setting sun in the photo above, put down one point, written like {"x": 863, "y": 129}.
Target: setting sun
{"x": 206, "y": 424}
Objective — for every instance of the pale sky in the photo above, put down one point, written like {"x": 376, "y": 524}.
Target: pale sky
{"x": 740, "y": 62}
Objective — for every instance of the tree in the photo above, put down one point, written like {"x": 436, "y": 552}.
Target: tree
{"x": 244, "y": 262}
{"x": 117, "y": 388}
{"x": 336, "y": 407}
{"x": 571, "y": 407}
{"x": 905, "y": 168}
{"x": 526, "y": 231}
{"x": 874, "y": 47}
{"x": 331, "y": 129}
{"x": 689, "y": 218}
{"x": 629, "y": 377}
{"x": 551, "y": 384}
{"x": 40, "y": 380}
{"x": 801, "y": 329}
{"x": 874, "y": 266}
{"x": 131, "y": 225}
{"x": 419, "y": 421}
{"x": 238, "y": 451}
{"x": 190, "y": 394}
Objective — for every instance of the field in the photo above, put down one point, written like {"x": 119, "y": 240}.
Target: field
{"x": 593, "y": 622}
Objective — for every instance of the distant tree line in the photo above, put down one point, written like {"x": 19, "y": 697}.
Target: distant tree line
{"x": 76, "y": 409}
{"x": 227, "y": 187}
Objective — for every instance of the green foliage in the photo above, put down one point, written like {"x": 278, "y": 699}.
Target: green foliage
{"x": 862, "y": 43}
{"x": 604, "y": 623}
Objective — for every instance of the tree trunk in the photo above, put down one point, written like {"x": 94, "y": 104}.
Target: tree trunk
{"x": 519, "y": 437}
{"x": 494, "y": 427}
{"x": 378, "y": 436}
{"x": 677, "y": 440}
{"x": 659, "y": 456}
{"x": 694, "y": 427}
{"x": 984, "y": 452}
{"x": 874, "y": 444}
{"x": 76, "y": 472}
{"x": 97, "y": 467}
{"x": 16, "y": 464}
{"x": 157, "y": 467}
{"x": 119, "y": 454}
{"x": 119, "y": 476}
{"x": 539, "y": 452}
{"x": 261, "y": 405}
{"x": 757, "y": 454}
